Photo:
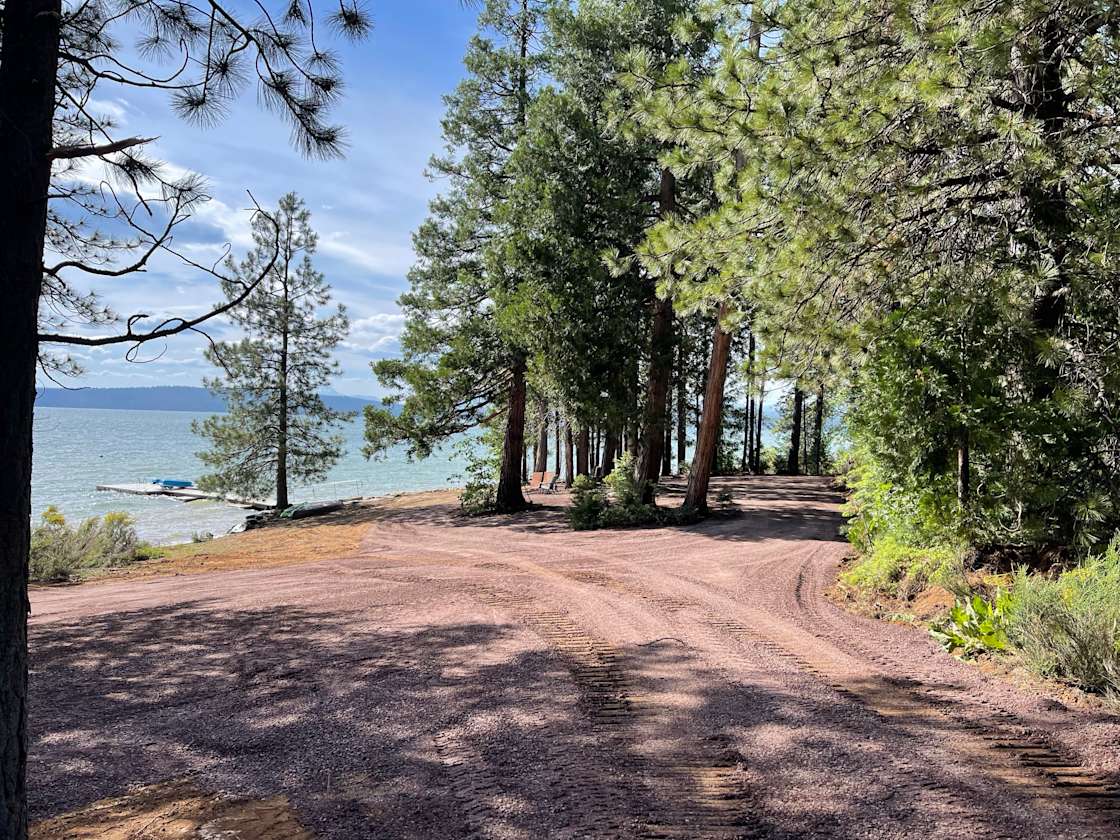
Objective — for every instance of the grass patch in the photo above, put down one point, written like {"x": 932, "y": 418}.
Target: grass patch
{"x": 902, "y": 571}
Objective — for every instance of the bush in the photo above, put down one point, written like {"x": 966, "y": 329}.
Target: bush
{"x": 60, "y": 552}
{"x": 588, "y": 503}
{"x": 591, "y": 508}
{"x": 484, "y": 457}
{"x": 898, "y": 570}
{"x": 1068, "y": 627}
{"x": 627, "y": 491}
{"x": 479, "y": 497}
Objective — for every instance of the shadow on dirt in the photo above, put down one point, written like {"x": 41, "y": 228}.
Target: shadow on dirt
{"x": 447, "y": 731}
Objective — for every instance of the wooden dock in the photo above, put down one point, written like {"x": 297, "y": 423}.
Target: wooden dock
{"x": 183, "y": 494}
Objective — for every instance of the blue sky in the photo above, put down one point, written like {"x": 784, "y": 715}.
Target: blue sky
{"x": 364, "y": 207}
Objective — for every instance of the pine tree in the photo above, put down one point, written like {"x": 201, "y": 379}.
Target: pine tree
{"x": 277, "y": 429}
{"x": 464, "y": 363}
{"x": 57, "y": 60}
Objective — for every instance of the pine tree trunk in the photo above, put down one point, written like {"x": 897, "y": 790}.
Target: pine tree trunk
{"x": 660, "y": 365}
{"x": 540, "y": 463}
{"x": 28, "y": 68}
{"x": 583, "y": 450}
{"x": 758, "y": 426}
{"x": 667, "y": 449}
{"x": 524, "y": 464}
{"x": 964, "y": 470}
{"x": 748, "y": 434}
{"x": 792, "y": 462}
{"x": 610, "y": 445}
{"x": 558, "y": 434}
{"x": 509, "y": 497}
{"x": 569, "y": 456}
{"x": 708, "y": 433}
{"x": 682, "y": 410}
{"x": 818, "y": 432}
{"x": 282, "y": 434}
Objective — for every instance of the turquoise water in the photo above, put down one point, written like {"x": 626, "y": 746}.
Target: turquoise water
{"x": 78, "y": 448}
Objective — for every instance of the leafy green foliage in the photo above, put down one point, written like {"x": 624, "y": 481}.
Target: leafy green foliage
{"x": 1068, "y": 627}
{"x": 588, "y": 503}
{"x": 899, "y": 570}
{"x": 483, "y": 454}
{"x": 975, "y": 625}
{"x": 463, "y": 333}
{"x": 627, "y": 491}
{"x": 881, "y": 216}
{"x": 61, "y": 552}
{"x": 277, "y": 428}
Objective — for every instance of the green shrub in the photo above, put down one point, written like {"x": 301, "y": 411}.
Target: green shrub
{"x": 894, "y": 569}
{"x": 881, "y": 507}
{"x": 975, "y": 625}
{"x": 1068, "y": 627}
{"x": 479, "y": 497}
{"x": 588, "y": 503}
{"x": 626, "y": 489}
{"x": 60, "y": 552}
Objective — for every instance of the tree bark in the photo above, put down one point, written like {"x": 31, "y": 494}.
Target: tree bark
{"x": 569, "y": 456}
{"x": 818, "y": 432}
{"x": 556, "y": 417}
{"x": 583, "y": 450}
{"x": 748, "y": 431}
{"x": 964, "y": 470}
{"x": 682, "y": 410}
{"x": 28, "y": 69}
{"x": 509, "y": 497}
{"x": 758, "y": 426}
{"x": 540, "y": 463}
{"x": 792, "y": 462}
{"x": 708, "y": 433}
{"x": 282, "y": 425}
{"x": 660, "y": 365}
{"x": 610, "y": 446}
{"x": 667, "y": 449}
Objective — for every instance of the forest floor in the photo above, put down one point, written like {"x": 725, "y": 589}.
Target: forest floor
{"x": 423, "y": 675}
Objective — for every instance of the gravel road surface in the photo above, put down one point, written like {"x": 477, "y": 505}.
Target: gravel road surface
{"x": 508, "y": 678}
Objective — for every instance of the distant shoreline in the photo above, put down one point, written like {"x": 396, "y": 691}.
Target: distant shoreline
{"x": 163, "y": 398}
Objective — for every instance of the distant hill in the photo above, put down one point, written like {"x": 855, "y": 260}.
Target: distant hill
{"x": 162, "y": 398}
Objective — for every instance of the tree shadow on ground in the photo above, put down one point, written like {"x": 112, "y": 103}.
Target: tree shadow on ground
{"x": 765, "y": 507}
{"x": 461, "y": 729}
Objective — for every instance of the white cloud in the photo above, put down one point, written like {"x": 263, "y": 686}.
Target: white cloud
{"x": 388, "y": 258}
{"x": 115, "y": 109}
{"x": 375, "y": 332}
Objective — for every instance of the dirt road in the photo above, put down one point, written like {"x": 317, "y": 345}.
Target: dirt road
{"x": 511, "y": 679}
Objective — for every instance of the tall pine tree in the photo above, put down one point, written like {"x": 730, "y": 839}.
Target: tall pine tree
{"x": 277, "y": 429}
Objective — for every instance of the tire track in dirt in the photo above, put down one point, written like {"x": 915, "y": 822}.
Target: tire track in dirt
{"x": 1026, "y": 764}
{"x": 1001, "y": 730}
{"x": 991, "y": 745}
{"x": 700, "y": 794}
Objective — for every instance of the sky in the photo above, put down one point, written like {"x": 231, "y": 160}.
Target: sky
{"x": 363, "y": 207}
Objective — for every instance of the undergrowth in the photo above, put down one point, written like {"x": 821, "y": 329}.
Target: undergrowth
{"x": 617, "y": 502}
{"x": 1068, "y": 626}
{"x": 903, "y": 571}
{"x": 62, "y": 552}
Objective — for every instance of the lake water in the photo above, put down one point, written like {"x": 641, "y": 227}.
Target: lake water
{"x": 78, "y": 448}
